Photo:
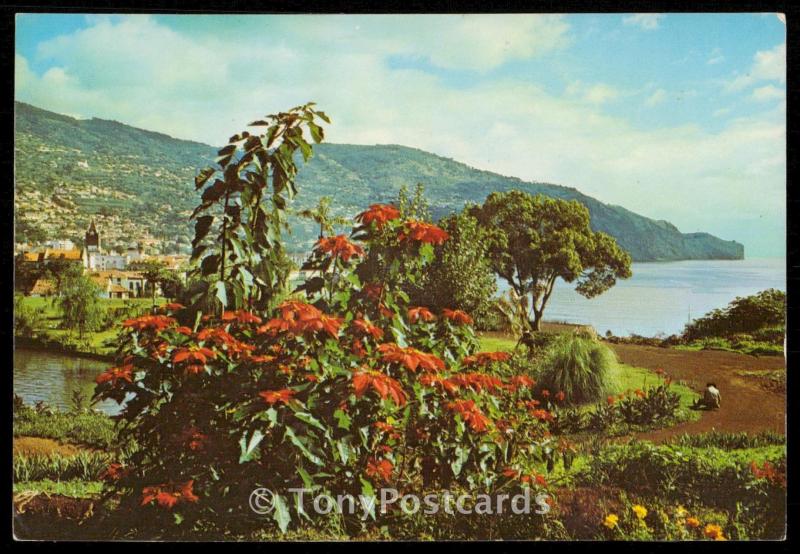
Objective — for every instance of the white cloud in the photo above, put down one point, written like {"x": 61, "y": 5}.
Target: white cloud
{"x": 598, "y": 93}
{"x": 656, "y": 98}
{"x": 767, "y": 93}
{"x": 482, "y": 42}
{"x": 142, "y": 73}
{"x": 646, "y": 21}
{"x": 716, "y": 57}
{"x": 768, "y": 65}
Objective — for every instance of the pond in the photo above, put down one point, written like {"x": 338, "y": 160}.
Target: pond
{"x": 52, "y": 377}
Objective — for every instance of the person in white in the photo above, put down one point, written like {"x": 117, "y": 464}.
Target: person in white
{"x": 711, "y": 396}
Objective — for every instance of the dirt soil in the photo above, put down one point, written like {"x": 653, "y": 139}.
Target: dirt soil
{"x": 36, "y": 446}
{"x": 746, "y": 406}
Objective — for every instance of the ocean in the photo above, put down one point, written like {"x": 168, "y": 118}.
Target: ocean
{"x": 660, "y": 298}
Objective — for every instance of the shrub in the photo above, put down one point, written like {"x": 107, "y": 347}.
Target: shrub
{"x": 464, "y": 255}
{"x": 341, "y": 390}
{"x": 577, "y": 366}
{"x": 746, "y": 314}
{"x": 735, "y": 482}
{"x": 650, "y": 405}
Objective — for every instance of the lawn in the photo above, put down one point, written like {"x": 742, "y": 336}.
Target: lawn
{"x": 97, "y": 340}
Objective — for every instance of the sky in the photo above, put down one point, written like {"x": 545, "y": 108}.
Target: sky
{"x": 680, "y": 117}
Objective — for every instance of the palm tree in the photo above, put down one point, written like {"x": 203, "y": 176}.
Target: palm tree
{"x": 321, "y": 215}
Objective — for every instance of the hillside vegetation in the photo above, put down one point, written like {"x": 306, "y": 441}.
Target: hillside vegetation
{"x": 137, "y": 184}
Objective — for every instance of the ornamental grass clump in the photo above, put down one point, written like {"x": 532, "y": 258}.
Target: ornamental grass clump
{"x": 577, "y": 366}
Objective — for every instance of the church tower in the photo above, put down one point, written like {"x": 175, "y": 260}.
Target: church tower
{"x": 92, "y": 238}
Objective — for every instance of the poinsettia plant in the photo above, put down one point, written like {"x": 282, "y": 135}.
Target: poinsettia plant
{"x": 341, "y": 388}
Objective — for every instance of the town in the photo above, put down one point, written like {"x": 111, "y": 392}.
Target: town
{"x": 117, "y": 274}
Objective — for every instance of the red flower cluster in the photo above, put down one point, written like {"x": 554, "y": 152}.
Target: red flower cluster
{"x": 458, "y": 317}
{"x": 367, "y": 328}
{"x": 114, "y": 374}
{"x": 387, "y": 428}
{"x": 448, "y": 385}
{"x": 527, "y": 478}
{"x": 484, "y": 358}
{"x": 380, "y": 468}
{"x": 415, "y": 314}
{"x": 167, "y": 495}
{"x": 298, "y": 318}
{"x": 385, "y": 386}
{"x": 193, "y": 439}
{"x": 222, "y": 338}
{"x": 542, "y": 415}
{"x": 339, "y": 246}
{"x": 380, "y": 214}
{"x": 275, "y": 396}
{"x": 171, "y": 307}
{"x": 478, "y": 381}
{"x": 411, "y": 358}
{"x": 769, "y": 472}
{"x": 423, "y": 232}
{"x": 521, "y": 381}
{"x": 150, "y": 322}
{"x": 196, "y": 356}
{"x": 241, "y": 316}
{"x": 471, "y": 414}
{"x": 113, "y": 472}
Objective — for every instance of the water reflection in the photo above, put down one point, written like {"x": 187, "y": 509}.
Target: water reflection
{"x": 52, "y": 378}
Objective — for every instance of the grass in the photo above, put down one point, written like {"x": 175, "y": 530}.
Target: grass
{"x": 496, "y": 343}
{"x": 73, "y": 489}
{"x": 85, "y": 466}
{"x": 88, "y": 428}
{"x": 100, "y": 342}
{"x": 752, "y": 348}
{"x": 623, "y": 377}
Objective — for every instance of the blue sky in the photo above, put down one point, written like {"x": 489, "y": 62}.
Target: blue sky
{"x": 676, "y": 116}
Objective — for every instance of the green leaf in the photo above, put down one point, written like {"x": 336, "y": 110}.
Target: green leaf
{"x": 249, "y": 447}
{"x": 209, "y": 265}
{"x": 311, "y": 420}
{"x": 368, "y": 492}
{"x": 462, "y": 454}
{"x": 313, "y": 458}
{"x": 342, "y": 419}
{"x": 203, "y": 176}
{"x": 222, "y": 295}
{"x": 201, "y": 227}
{"x": 281, "y": 513}
{"x": 308, "y": 481}
{"x": 344, "y": 449}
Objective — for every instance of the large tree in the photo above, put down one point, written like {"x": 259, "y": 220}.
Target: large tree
{"x": 534, "y": 240}
{"x": 79, "y": 303}
{"x": 460, "y": 276}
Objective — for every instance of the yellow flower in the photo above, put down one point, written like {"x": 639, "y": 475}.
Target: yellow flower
{"x": 714, "y": 532}
{"x": 640, "y": 511}
{"x": 681, "y": 512}
{"x": 611, "y": 521}
{"x": 692, "y": 522}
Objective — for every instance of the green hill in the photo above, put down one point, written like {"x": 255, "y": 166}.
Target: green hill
{"x": 137, "y": 185}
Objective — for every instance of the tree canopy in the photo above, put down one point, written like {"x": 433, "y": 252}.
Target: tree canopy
{"x": 534, "y": 240}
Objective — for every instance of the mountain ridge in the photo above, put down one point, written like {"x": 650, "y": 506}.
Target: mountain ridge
{"x": 137, "y": 182}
